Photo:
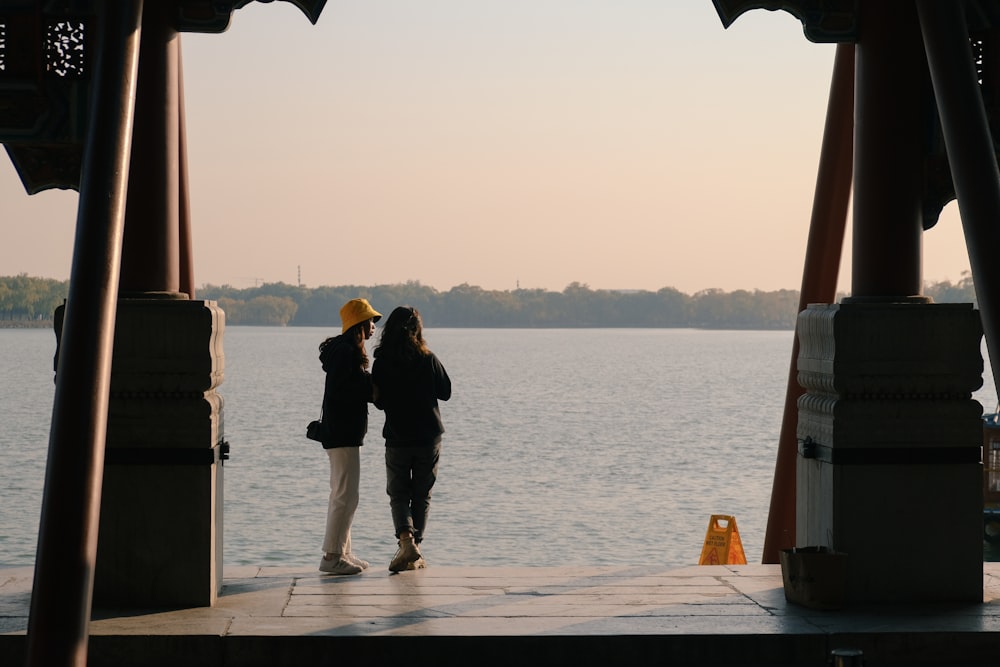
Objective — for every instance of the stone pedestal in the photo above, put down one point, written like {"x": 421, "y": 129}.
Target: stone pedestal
{"x": 889, "y": 467}
{"x": 160, "y": 541}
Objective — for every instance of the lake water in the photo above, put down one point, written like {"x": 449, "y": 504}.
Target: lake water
{"x": 563, "y": 447}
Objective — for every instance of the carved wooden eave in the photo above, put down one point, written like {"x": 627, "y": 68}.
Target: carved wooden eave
{"x": 46, "y": 64}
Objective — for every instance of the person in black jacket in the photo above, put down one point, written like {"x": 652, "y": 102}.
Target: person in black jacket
{"x": 345, "y": 419}
{"x": 409, "y": 381}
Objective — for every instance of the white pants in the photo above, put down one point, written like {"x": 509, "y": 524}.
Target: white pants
{"x": 345, "y": 476}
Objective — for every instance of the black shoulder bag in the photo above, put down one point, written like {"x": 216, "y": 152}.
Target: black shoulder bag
{"x": 315, "y": 430}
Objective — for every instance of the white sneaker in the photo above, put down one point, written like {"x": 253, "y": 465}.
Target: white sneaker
{"x": 338, "y": 565}
{"x": 360, "y": 562}
{"x": 406, "y": 554}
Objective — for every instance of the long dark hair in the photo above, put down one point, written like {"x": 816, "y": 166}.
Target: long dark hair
{"x": 402, "y": 335}
{"x": 353, "y": 335}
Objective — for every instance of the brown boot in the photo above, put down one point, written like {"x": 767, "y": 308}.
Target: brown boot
{"x": 406, "y": 554}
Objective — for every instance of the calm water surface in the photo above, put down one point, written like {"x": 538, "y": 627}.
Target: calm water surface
{"x": 590, "y": 446}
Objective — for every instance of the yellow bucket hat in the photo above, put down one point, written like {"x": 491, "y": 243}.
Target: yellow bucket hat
{"x": 356, "y": 311}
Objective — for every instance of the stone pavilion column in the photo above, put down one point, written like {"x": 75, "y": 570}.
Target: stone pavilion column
{"x": 161, "y": 528}
{"x": 889, "y": 437}
{"x": 889, "y": 464}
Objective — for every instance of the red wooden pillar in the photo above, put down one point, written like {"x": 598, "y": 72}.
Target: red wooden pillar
{"x": 970, "y": 147}
{"x": 819, "y": 283}
{"x": 150, "y": 256}
{"x": 892, "y": 95}
{"x": 185, "y": 239}
{"x": 67, "y": 540}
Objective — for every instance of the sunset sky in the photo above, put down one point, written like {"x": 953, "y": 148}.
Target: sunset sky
{"x": 625, "y": 144}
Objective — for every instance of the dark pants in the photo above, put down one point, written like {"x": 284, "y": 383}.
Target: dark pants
{"x": 410, "y": 476}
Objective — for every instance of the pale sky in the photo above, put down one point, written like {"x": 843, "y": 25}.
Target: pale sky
{"x": 625, "y": 144}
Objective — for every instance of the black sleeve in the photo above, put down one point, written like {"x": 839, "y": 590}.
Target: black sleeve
{"x": 442, "y": 383}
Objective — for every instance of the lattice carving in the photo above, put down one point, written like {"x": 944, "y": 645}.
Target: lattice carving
{"x": 977, "y": 57}
{"x": 65, "y": 49}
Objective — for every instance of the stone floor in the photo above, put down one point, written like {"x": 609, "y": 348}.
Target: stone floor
{"x": 708, "y": 615}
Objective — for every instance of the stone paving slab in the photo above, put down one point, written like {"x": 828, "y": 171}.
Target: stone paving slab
{"x": 725, "y": 615}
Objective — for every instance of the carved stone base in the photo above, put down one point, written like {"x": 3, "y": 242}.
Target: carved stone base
{"x": 889, "y": 467}
{"x": 160, "y": 541}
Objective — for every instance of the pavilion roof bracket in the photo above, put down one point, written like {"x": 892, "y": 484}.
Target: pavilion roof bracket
{"x": 822, "y": 20}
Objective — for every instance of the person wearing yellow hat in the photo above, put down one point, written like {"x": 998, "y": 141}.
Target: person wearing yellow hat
{"x": 346, "y": 396}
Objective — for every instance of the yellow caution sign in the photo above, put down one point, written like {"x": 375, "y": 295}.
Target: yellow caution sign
{"x": 722, "y": 542}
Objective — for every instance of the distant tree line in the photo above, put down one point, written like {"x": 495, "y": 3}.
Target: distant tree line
{"x": 469, "y": 306}
{"x": 26, "y": 299}
{"x": 576, "y": 306}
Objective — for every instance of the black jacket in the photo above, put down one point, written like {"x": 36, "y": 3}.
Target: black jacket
{"x": 408, "y": 390}
{"x": 346, "y": 396}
